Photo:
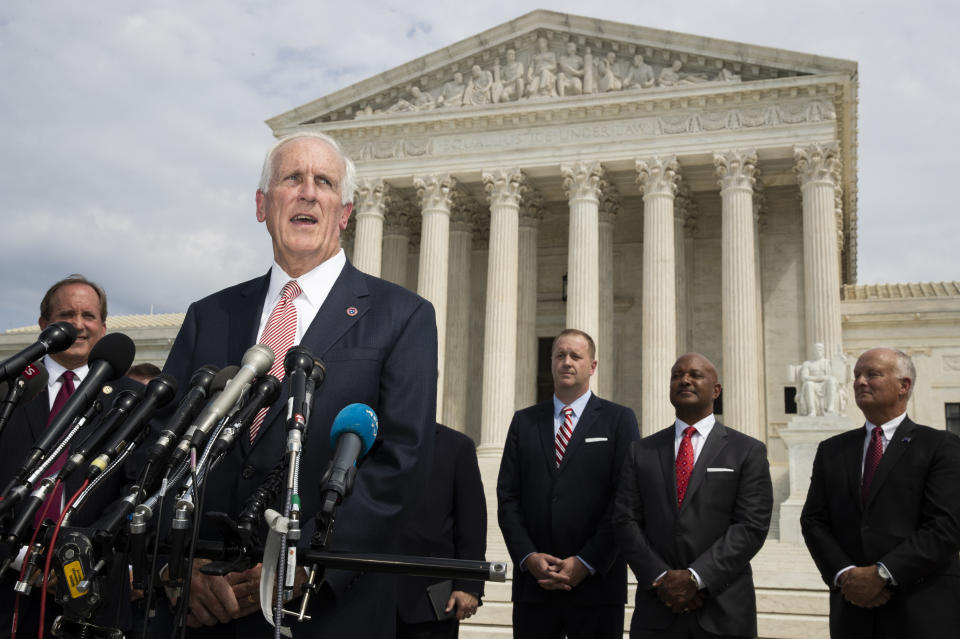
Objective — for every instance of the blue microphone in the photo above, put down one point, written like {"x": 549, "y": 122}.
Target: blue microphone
{"x": 353, "y": 432}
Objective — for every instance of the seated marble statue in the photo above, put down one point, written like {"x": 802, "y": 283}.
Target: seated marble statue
{"x": 639, "y": 76}
{"x": 570, "y": 79}
{"x": 542, "y": 73}
{"x": 479, "y": 87}
{"x": 820, "y": 381}
{"x": 452, "y": 92}
{"x": 508, "y": 81}
{"x": 607, "y": 78}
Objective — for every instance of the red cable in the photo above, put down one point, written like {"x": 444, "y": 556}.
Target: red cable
{"x": 23, "y": 567}
{"x": 53, "y": 543}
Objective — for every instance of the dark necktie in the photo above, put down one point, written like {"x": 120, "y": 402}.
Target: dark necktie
{"x": 872, "y": 460}
{"x": 684, "y": 463}
{"x": 56, "y": 499}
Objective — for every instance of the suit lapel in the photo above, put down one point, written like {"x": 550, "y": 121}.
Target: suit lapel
{"x": 37, "y": 413}
{"x": 897, "y": 447}
{"x": 590, "y": 414}
{"x": 668, "y": 463}
{"x": 347, "y": 302}
{"x": 244, "y": 318}
{"x": 544, "y": 426}
{"x": 716, "y": 442}
{"x": 852, "y": 456}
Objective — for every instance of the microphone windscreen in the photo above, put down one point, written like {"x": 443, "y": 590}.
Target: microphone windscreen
{"x": 117, "y": 350}
{"x": 58, "y": 336}
{"x": 358, "y": 419}
{"x": 220, "y": 379}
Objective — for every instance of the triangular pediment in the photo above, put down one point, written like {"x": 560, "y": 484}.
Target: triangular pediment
{"x": 546, "y": 56}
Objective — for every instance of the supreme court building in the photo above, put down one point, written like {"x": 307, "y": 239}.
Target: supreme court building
{"x": 664, "y": 193}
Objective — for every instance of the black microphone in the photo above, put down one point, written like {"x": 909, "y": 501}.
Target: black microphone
{"x": 159, "y": 392}
{"x": 219, "y": 382}
{"x": 262, "y": 394}
{"x": 190, "y": 405}
{"x": 125, "y": 402}
{"x": 54, "y": 338}
{"x": 298, "y": 365}
{"x": 23, "y": 388}
{"x": 353, "y": 432}
{"x": 109, "y": 360}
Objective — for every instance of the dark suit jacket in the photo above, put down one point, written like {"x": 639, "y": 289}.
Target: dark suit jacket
{"x": 379, "y": 344}
{"x": 565, "y": 511}
{"x": 720, "y": 527}
{"x": 26, "y": 426}
{"x": 449, "y": 520}
{"x": 911, "y": 524}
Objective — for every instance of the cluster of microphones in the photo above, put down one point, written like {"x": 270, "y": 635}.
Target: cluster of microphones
{"x": 174, "y": 453}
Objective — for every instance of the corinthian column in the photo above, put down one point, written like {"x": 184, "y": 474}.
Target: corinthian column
{"x": 371, "y": 203}
{"x": 604, "y": 382}
{"x": 504, "y": 189}
{"x": 582, "y": 182}
{"x": 436, "y": 194}
{"x": 818, "y": 170}
{"x": 531, "y": 212}
{"x": 458, "y": 315}
{"x": 742, "y": 358}
{"x": 396, "y": 241}
{"x": 657, "y": 178}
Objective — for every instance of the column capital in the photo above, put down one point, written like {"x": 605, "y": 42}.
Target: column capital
{"x": 658, "y": 175}
{"x": 817, "y": 163}
{"x": 609, "y": 203}
{"x": 504, "y": 186}
{"x": 480, "y": 220}
{"x": 372, "y": 197}
{"x": 396, "y": 220}
{"x": 463, "y": 213}
{"x": 436, "y": 191}
{"x": 582, "y": 180}
{"x": 736, "y": 169}
{"x": 531, "y": 208}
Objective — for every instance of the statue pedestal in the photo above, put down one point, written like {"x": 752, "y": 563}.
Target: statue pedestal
{"x": 801, "y": 436}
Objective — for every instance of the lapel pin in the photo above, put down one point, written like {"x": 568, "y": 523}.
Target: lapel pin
{"x": 906, "y": 440}
{"x": 352, "y": 311}
{"x": 106, "y": 390}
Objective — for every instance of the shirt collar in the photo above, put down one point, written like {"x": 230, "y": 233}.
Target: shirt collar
{"x": 704, "y": 426}
{"x": 315, "y": 283}
{"x": 577, "y": 405}
{"x": 889, "y": 427}
{"x": 55, "y": 370}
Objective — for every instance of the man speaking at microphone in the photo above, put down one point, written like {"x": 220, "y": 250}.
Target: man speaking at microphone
{"x": 82, "y": 303}
{"x": 379, "y": 344}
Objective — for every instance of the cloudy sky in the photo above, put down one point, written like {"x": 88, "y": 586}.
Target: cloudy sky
{"x": 132, "y": 132}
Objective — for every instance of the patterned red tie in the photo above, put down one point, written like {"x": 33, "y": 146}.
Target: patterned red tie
{"x": 66, "y": 390}
{"x": 279, "y": 334}
{"x": 684, "y": 463}
{"x": 874, "y": 455}
{"x": 563, "y": 434}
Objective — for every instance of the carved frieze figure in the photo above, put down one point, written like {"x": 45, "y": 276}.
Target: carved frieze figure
{"x": 671, "y": 76}
{"x": 821, "y": 383}
{"x": 607, "y": 78}
{"x": 420, "y": 101}
{"x": 479, "y": 87}
{"x": 727, "y": 75}
{"x": 542, "y": 74}
{"x": 452, "y": 92}
{"x": 365, "y": 112}
{"x": 508, "y": 81}
{"x": 570, "y": 79}
{"x": 639, "y": 76}
{"x": 589, "y": 72}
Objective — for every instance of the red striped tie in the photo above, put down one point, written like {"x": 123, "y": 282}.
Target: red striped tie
{"x": 564, "y": 433}
{"x": 872, "y": 460}
{"x": 279, "y": 334}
